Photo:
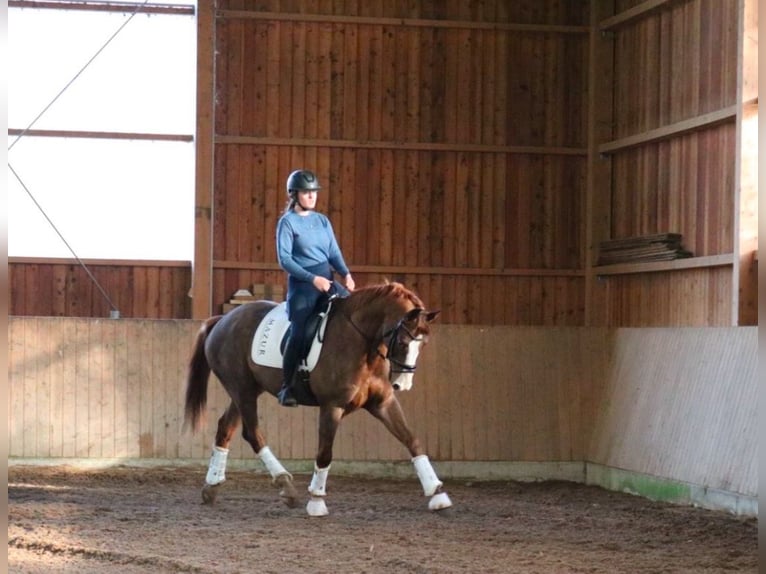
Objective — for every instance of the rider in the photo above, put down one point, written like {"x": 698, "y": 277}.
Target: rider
{"x": 308, "y": 251}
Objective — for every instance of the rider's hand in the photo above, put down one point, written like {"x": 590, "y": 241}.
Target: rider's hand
{"x": 349, "y": 282}
{"x": 322, "y": 284}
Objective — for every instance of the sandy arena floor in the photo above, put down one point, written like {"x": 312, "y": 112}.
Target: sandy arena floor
{"x": 133, "y": 521}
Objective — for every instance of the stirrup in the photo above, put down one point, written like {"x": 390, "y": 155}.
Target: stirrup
{"x": 286, "y": 398}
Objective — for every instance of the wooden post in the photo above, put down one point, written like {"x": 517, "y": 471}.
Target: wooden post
{"x": 202, "y": 266}
{"x": 598, "y": 188}
{"x": 745, "y": 280}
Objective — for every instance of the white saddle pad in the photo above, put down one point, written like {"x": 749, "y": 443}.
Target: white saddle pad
{"x": 268, "y": 337}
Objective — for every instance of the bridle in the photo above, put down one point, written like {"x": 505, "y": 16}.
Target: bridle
{"x": 397, "y": 367}
{"x": 391, "y": 336}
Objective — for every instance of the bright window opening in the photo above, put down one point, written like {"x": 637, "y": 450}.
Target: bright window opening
{"x": 109, "y": 198}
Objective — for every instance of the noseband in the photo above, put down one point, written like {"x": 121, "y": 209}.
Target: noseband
{"x": 392, "y": 336}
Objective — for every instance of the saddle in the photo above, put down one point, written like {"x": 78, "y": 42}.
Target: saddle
{"x": 271, "y": 337}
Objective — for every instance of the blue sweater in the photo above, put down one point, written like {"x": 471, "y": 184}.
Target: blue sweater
{"x": 307, "y": 241}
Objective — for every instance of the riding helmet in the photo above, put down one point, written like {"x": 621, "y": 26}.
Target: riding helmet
{"x": 302, "y": 180}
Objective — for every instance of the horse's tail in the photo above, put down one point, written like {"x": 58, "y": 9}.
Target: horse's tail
{"x": 197, "y": 377}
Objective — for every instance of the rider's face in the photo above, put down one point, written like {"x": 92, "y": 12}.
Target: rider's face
{"x": 307, "y": 199}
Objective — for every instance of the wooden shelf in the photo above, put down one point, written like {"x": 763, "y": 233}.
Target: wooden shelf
{"x": 674, "y": 265}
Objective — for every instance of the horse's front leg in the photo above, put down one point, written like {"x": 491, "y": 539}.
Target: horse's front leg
{"x": 329, "y": 420}
{"x": 390, "y": 413}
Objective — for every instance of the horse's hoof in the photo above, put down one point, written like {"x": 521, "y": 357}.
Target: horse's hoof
{"x": 210, "y": 492}
{"x": 317, "y": 507}
{"x": 439, "y": 501}
{"x": 287, "y": 491}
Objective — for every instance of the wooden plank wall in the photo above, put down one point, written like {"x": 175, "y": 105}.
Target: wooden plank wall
{"x": 447, "y": 172}
{"x": 672, "y": 65}
{"x": 689, "y": 297}
{"x": 441, "y": 168}
{"x": 675, "y": 65}
{"x": 85, "y": 388}
{"x": 628, "y": 398}
{"x": 63, "y": 288}
{"x": 682, "y": 404}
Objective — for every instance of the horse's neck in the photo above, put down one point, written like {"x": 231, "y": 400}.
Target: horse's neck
{"x": 376, "y": 315}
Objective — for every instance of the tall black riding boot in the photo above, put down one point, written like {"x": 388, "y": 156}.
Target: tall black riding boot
{"x": 289, "y": 365}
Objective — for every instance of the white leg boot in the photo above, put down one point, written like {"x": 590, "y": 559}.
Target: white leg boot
{"x": 431, "y": 483}
{"x": 317, "y": 489}
{"x": 216, "y": 470}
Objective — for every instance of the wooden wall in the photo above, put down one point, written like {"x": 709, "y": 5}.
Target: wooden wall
{"x": 672, "y": 158}
{"x": 682, "y": 404}
{"x": 470, "y": 182}
{"x": 440, "y": 168}
{"x": 477, "y": 151}
{"x": 672, "y": 403}
{"x": 64, "y": 288}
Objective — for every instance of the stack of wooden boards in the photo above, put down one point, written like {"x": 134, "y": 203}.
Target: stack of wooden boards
{"x": 258, "y": 292}
{"x": 657, "y": 247}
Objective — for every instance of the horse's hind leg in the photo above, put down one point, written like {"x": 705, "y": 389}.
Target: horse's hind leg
{"x": 216, "y": 471}
{"x": 279, "y": 475}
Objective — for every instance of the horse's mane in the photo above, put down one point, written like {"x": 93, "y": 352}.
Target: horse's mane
{"x": 365, "y": 295}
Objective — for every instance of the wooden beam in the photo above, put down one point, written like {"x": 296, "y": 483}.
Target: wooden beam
{"x": 410, "y": 22}
{"x": 124, "y": 7}
{"x": 412, "y": 146}
{"x": 202, "y": 272}
{"x": 405, "y": 270}
{"x": 100, "y": 135}
{"x": 685, "y": 126}
{"x": 98, "y": 262}
{"x": 597, "y": 207}
{"x": 632, "y": 14}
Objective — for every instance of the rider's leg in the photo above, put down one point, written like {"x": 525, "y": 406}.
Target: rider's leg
{"x": 289, "y": 366}
{"x": 300, "y": 304}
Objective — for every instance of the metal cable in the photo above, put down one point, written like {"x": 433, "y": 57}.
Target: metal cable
{"x": 34, "y": 121}
{"x": 98, "y": 285}
{"x": 77, "y": 75}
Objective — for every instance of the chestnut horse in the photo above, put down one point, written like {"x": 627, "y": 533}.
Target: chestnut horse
{"x": 371, "y": 345}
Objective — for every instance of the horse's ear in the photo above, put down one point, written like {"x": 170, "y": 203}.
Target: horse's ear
{"x": 431, "y": 315}
{"x": 413, "y": 314}
{"x": 417, "y": 312}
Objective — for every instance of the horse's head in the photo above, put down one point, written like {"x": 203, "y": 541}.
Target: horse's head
{"x": 394, "y": 322}
{"x": 404, "y": 342}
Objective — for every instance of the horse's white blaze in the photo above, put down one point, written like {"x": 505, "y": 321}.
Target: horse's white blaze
{"x": 274, "y": 467}
{"x": 403, "y": 381}
{"x": 216, "y": 470}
